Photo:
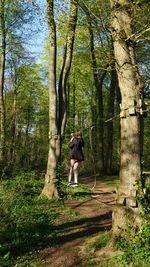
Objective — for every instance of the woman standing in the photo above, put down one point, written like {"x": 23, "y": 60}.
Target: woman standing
{"x": 76, "y": 155}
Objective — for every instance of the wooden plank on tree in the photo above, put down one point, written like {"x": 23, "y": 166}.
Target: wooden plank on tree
{"x": 131, "y": 202}
{"x": 122, "y": 200}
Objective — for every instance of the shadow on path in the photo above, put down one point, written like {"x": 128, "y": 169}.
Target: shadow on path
{"x": 94, "y": 216}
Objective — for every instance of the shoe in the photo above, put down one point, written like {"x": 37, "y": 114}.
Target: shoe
{"x": 74, "y": 185}
{"x": 69, "y": 184}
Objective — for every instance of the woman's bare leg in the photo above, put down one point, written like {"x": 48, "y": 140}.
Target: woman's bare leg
{"x": 75, "y": 170}
{"x": 71, "y": 170}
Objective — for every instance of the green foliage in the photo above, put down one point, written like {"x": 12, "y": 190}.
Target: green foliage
{"x": 26, "y": 218}
{"x": 67, "y": 192}
{"x": 78, "y": 193}
{"x": 28, "y": 263}
{"x": 144, "y": 193}
{"x": 101, "y": 241}
{"x": 137, "y": 2}
{"x": 137, "y": 248}
{"x": 30, "y": 139}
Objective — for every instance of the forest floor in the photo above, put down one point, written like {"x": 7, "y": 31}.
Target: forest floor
{"x": 93, "y": 217}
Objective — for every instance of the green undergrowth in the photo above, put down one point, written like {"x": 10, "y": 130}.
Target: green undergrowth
{"x": 101, "y": 241}
{"x": 115, "y": 262}
{"x": 79, "y": 193}
{"x": 68, "y": 192}
{"x": 137, "y": 247}
{"x": 131, "y": 252}
{"x": 131, "y": 249}
{"x": 28, "y": 221}
{"x": 96, "y": 243}
{"x": 25, "y": 218}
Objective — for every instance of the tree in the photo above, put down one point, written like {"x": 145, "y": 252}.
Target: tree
{"x": 110, "y": 126}
{"x": 131, "y": 89}
{"x": 57, "y": 118}
{"x": 15, "y": 17}
{"x": 2, "y": 70}
{"x": 66, "y": 65}
{"x": 98, "y": 85}
{"x": 50, "y": 188}
{"x": 98, "y": 76}
{"x": 26, "y": 118}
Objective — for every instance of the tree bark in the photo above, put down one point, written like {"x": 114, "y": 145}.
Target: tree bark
{"x": 130, "y": 170}
{"x": 66, "y": 65}
{"x": 13, "y": 127}
{"x": 50, "y": 188}
{"x": 74, "y": 102}
{"x": 98, "y": 86}
{"x": 110, "y": 127}
{"x": 57, "y": 123}
{"x": 2, "y": 70}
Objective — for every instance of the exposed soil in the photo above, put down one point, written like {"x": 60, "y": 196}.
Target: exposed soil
{"x": 94, "y": 215}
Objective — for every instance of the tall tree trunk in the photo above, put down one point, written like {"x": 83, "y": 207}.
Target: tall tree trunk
{"x": 130, "y": 170}
{"x": 109, "y": 141}
{"x": 98, "y": 86}
{"x": 2, "y": 70}
{"x": 13, "y": 127}
{"x": 50, "y": 188}
{"x": 26, "y": 159}
{"x": 68, "y": 107}
{"x": 57, "y": 123}
{"x": 66, "y": 65}
{"x": 93, "y": 135}
{"x": 74, "y": 102}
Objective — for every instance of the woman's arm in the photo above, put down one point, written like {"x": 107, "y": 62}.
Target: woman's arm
{"x": 72, "y": 142}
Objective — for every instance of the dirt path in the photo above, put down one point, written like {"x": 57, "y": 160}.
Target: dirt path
{"x": 94, "y": 216}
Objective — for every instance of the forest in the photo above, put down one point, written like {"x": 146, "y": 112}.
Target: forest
{"x": 67, "y": 69}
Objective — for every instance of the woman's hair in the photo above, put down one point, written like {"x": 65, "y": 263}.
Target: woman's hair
{"x": 78, "y": 134}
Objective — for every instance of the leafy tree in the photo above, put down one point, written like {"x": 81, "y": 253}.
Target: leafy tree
{"x": 131, "y": 110}
{"x": 26, "y": 125}
{"x": 14, "y": 21}
{"x": 57, "y": 118}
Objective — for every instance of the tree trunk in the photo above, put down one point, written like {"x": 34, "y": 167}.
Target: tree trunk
{"x": 50, "y": 188}
{"x": 98, "y": 86}
{"x": 110, "y": 130}
{"x": 13, "y": 127}
{"x": 74, "y": 102}
{"x": 127, "y": 207}
{"x": 57, "y": 124}
{"x": 2, "y": 69}
{"x": 93, "y": 136}
{"x": 66, "y": 65}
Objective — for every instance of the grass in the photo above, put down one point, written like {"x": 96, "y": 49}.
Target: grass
{"x": 25, "y": 218}
{"x": 79, "y": 193}
{"x": 132, "y": 253}
{"x": 101, "y": 241}
{"x": 28, "y": 221}
{"x": 111, "y": 181}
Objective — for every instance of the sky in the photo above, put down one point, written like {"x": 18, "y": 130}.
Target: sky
{"x": 37, "y": 42}
{"x": 39, "y": 31}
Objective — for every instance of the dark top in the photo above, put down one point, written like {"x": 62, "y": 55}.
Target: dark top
{"x": 76, "y": 149}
